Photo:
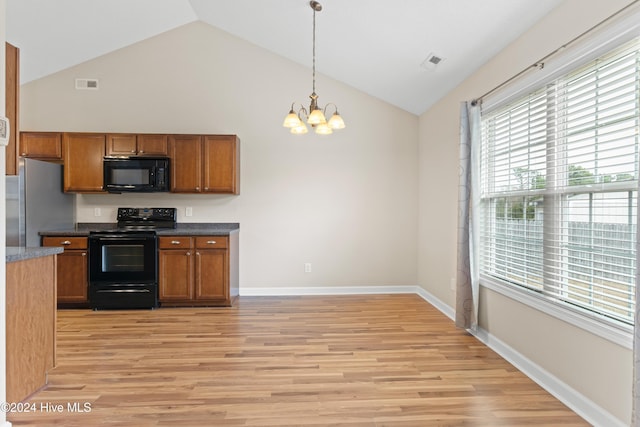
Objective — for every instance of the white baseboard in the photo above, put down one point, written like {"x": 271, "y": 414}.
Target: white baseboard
{"x": 327, "y": 290}
{"x": 575, "y": 400}
{"x": 580, "y": 404}
{"x": 444, "y": 308}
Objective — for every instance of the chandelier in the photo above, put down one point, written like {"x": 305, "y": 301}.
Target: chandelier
{"x": 316, "y": 115}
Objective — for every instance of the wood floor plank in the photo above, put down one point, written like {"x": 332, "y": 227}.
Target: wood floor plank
{"x": 367, "y": 360}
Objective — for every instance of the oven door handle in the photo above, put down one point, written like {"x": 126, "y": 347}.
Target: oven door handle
{"x": 118, "y": 238}
{"x": 112, "y": 291}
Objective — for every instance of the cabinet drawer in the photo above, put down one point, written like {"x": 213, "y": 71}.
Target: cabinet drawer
{"x": 174, "y": 242}
{"x": 204, "y": 242}
{"x": 65, "y": 242}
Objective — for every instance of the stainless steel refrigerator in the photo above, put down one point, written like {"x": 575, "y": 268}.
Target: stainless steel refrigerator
{"x": 35, "y": 202}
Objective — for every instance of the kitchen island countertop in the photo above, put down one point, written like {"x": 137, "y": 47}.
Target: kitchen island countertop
{"x": 17, "y": 253}
{"x": 191, "y": 228}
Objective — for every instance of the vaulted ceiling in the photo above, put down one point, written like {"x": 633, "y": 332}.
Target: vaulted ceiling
{"x": 376, "y": 46}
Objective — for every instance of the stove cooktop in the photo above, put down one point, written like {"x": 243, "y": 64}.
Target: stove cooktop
{"x": 146, "y": 218}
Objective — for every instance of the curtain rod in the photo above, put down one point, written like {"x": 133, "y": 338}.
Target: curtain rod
{"x": 539, "y": 64}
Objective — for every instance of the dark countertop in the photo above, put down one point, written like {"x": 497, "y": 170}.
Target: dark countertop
{"x": 14, "y": 253}
{"x": 192, "y": 228}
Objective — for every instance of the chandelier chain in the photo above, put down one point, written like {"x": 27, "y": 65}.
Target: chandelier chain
{"x": 314, "y": 50}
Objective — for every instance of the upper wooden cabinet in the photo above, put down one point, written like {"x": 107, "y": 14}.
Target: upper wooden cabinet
{"x": 11, "y": 104}
{"x": 205, "y": 164}
{"x": 41, "y": 145}
{"x": 221, "y": 167}
{"x": 185, "y": 152}
{"x": 199, "y": 163}
{"x": 83, "y": 154}
{"x": 136, "y": 145}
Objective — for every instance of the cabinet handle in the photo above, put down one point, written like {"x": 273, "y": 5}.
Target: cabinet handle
{"x": 206, "y": 188}
{"x": 197, "y": 253}
{"x": 188, "y": 253}
{"x": 84, "y": 254}
{"x": 141, "y": 151}
{"x": 175, "y": 242}
{"x": 65, "y": 243}
{"x": 197, "y": 188}
{"x": 211, "y": 242}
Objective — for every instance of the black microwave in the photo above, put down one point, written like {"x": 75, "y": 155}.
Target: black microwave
{"x": 136, "y": 174}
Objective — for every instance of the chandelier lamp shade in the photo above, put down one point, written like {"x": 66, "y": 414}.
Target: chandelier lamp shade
{"x": 315, "y": 116}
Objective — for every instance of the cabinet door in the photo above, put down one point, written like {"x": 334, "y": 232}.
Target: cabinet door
{"x": 185, "y": 152}
{"x": 211, "y": 274}
{"x": 175, "y": 275}
{"x": 72, "y": 276}
{"x": 83, "y": 156}
{"x": 152, "y": 145}
{"x": 221, "y": 164}
{"x": 12, "y": 96}
{"x": 41, "y": 145}
{"x": 72, "y": 268}
{"x": 121, "y": 145}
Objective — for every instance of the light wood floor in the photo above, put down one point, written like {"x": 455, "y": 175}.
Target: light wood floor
{"x": 375, "y": 360}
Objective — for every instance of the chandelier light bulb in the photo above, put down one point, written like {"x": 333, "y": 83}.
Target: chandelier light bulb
{"x": 301, "y": 129}
{"x": 323, "y": 129}
{"x": 292, "y": 120}
{"x": 316, "y": 117}
{"x": 336, "y": 122}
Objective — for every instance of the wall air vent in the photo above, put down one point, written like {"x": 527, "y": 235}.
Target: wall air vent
{"x": 431, "y": 62}
{"x": 87, "y": 84}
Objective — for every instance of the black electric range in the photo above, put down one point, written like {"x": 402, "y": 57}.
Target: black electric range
{"x": 123, "y": 262}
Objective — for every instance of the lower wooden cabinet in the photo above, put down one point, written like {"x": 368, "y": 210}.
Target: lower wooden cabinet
{"x": 197, "y": 270}
{"x": 72, "y": 277}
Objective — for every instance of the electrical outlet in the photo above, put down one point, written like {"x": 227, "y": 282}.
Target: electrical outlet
{"x": 307, "y": 267}
{"x": 97, "y": 212}
{"x": 188, "y": 211}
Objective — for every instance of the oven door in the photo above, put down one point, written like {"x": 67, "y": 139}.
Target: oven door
{"x": 123, "y": 258}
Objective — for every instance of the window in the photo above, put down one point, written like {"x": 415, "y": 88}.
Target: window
{"x": 559, "y": 189}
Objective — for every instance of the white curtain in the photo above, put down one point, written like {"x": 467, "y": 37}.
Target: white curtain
{"x": 467, "y": 276}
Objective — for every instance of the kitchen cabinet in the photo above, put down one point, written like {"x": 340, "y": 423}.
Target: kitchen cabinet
{"x": 83, "y": 154}
{"x": 11, "y": 104}
{"x": 185, "y": 152}
{"x": 41, "y": 145}
{"x": 136, "y": 145}
{"x": 205, "y": 164}
{"x": 196, "y": 270}
{"x": 200, "y": 164}
{"x": 72, "y": 269}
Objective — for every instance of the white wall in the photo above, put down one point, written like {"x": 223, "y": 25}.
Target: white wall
{"x": 596, "y": 368}
{"x": 347, "y": 203}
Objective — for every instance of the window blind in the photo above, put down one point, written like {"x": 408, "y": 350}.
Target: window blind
{"x": 559, "y": 174}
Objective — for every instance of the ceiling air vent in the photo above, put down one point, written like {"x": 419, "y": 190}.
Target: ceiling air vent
{"x": 431, "y": 62}
{"x": 87, "y": 84}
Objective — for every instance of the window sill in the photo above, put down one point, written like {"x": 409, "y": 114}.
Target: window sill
{"x": 611, "y": 330}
